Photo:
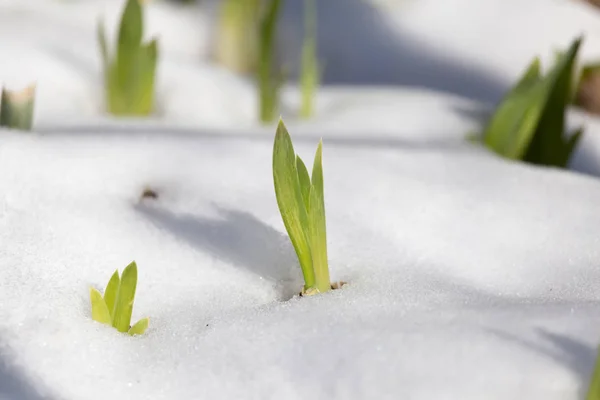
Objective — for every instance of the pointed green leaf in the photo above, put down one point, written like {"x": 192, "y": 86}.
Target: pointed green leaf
{"x": 125, "y": 298}
{"x": 304, "y": 179}
{"x": 146, "y": 78}
{"x": 140, "y": 327}
{"x": 309, "y": 79}
{"x": 131, "y": 28}
{"x": 512, "y": 126}
{"x": 290, "y": 201}
{"x": 110, "y": 294}
{"x": 130, "y": 76}
{"x": 16, "y": 108}
{"x": 548, "y": 145}
{"x": 525, "y": 119}
{"x": 99, "y": 310}
{"x": 129, "y": 42}
{"x": 269, "y": 89}
{"x": 594, "y": 388}
{"x": 317, "y": 225}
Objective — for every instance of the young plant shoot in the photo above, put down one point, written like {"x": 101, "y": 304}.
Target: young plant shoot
{"x": 130, "y": 74}
{"x": 529, "y": 123}
{"x": 237, "y": 34}
{"x": 594, "y": 388}
{"x": 116, "y": 306}
{"x": 16, "y": 108}
{"x": 269, "y": 81}
{"x": 310, "y": 73}
{"x": 301, "y": 203}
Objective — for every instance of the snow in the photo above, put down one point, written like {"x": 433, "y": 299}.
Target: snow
{"x": 468, "y": 276}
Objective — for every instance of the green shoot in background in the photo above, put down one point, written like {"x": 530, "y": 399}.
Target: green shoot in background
{"x": 594, "y": 389}
{"x": 16, "y": 108}
{"x": 237, "y": 35}
{"x": 528, "y": 124}
{"x": 269, "y": 81}
{"x": 301, "y": 202}
{"x": 129, "y": 75}
{"x": 116, "y": 306}
{"x": 310, "y": 73}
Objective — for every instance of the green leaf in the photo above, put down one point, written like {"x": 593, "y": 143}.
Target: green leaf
{"x": 100, "y": 311}
{"x": 548, "y": 146}
{"x": 268, "y": 85}
{"x": 140, "y": 327}
{"x": 290, "y": 201}
{"x": 16, "y": 108}
{"x": 512, "y": 126}
{"x": 304, "y": 180}
{"x": 237, "y": 38}
{"x": 594, "y": 389}
{"x": 130, "y": 77}
{"x": 317, "y": 225}
{"x": 125, "y": 298}
{"x": 310, "y": 74}
{"x": 147, "y": 74}
{"x": 129, "y": 38}
{"x": 110, "y": 294}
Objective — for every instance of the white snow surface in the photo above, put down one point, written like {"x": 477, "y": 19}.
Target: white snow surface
{"x": 469, "y": 276}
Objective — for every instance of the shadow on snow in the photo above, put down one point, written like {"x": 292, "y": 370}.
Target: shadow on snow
{"x": 240, "y": 239}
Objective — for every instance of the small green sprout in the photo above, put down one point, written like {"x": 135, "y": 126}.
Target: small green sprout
{"x": 301, "y": 203}
{"x": 237, "y": 35}
{"x": 130, "y": 75}
{"x": 528, "y": 125}
{"x": 594, "y": 389}
{"x": 116, "y": 306}
{"x": 269, "y": 82}
{"x": 310, "y": 74}
{"x": 16, "y": 108}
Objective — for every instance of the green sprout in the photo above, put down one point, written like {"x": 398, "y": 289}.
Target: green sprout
{"x": 300, "y": 199}
{"x": 237, "y": 36}
{"x": 528, "y": 124}
{"x": 594, "y": 389}
{"x": 130, "y": 75}
{"x": 269, "y": 82}
{"x": 310, "y": 74}
{"x": 116, "y": 306}
{"x": 16, "y": 108}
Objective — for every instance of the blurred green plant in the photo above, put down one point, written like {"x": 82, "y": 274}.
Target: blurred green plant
{"x": 594, "y": 388}
{"x": 528, "y": 124}
{"x": 116, "y": 306}
{"x": 237, "y": 35}
{"x": 269, "y": 80}
{"x": 311, "y": 71}
{"x": 16, "y": 108}
{"x": 130, "y": 75}
{"x": 301, "y": 203}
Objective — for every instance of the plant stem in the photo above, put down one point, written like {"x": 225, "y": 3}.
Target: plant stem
{"x": 16, "y": 109}
{"x": 309, "y": 79}
{"x": 268, "y": 84}
{"x": 237, "y": 35}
